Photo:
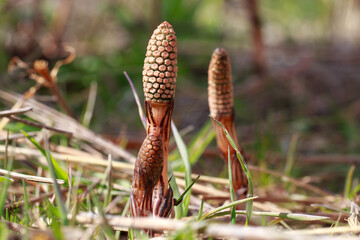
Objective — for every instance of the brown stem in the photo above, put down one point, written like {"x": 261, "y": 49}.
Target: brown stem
{"x": 49, "y": 80}
{"x": 257, "y": 38}
{"x": 55, "y": 90}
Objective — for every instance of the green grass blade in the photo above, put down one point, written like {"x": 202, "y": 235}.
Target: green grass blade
{"x": 232, "y": 192}
{"x": 186, "y": 190}
{"x": 58, "y": 196}
{"x": 6, "y": 183}
{"x": 199, "y": 143}
{"x": 355, "y": 191}
{"x": 245, "y": 169}
{"x": 70, "y": 181}
{"x": 105, "y": 226}
{"x": 123, "y": 214}
{"x": 348, "y": 182}
{"x": 26, "y": 206}
{"x": 200, "y": 210}
{"x": 126, "y": 208}
{"x": 60, "y": 173}
{"x": 3, "y": 194}
{"x": 290, "y": 159}
{"x": 185, "y": 156}
{"x": 218, "y": 209}
{"x": 179, "y": 208}
{"x": 196, "y": 147}
{"x": 3, "y": 179}
{"x": 4, "y": 231}
{"x": 107, "y": 181}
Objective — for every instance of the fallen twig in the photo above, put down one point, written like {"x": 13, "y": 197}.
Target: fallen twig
{"x": 30, "y": 123}
{"x": 17, "y": 136}
{"x": 29, "y": 177}
{"x": 7, "y": 113}
{"x": 31, "y": 201}
{"x": 50, "y": 116}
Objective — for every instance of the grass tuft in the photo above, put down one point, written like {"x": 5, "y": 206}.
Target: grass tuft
{"x": 232, "y": 192}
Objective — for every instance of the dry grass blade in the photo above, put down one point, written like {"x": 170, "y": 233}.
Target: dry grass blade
{"x": 69, "y": 158}
{"x": 14, "y": 112}
{"x": 292, "y": 180}
{"x": 30, "y": 177}
{"x": 204, "y": 190}
{"x": 283, "y": 215}
{"x": 17, "y": 136}
{"x": 21, "y": 229}
{"x": 223, "y": 231}
{"x": 17, "y": 104}
{"x": 204, "y": 178}
{"x": 50, "y": 116}
{"x": 353, "y": 219}
{"x": 323, "y": 231}
{"x": 32, "y": 201}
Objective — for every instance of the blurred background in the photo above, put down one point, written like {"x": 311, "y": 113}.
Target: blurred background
{"x": 295, "y": 64}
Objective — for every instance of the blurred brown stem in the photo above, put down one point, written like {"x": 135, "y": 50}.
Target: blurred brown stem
{"x": 257, "y": 37}
{"x": 59, "y": 98}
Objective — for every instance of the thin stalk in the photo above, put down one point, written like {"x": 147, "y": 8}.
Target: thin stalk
{"x": 291, "y": 155}
{"x": 257, "y": 37}
{"x": 141, "y": 111}
{"x": 26, "y": 206}
{"x": 185, "y": 156}
{"x": 58, "y": 196}
{"x": 232, "y": 192}
{"x": 6, "y": 183}
{"x": 348, "y": 182}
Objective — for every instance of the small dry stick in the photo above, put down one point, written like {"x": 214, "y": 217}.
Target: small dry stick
{"x": 17, "y": 136}
{"x": 220, "y": 96}
{"x": 7, "y": 113}
{"x": 50, "y": 116}
{"x": 257, "y": 37}
{"x": 40, "y": 125}
{"x": 159, "y": 78}
{"x": 30, "y": 177}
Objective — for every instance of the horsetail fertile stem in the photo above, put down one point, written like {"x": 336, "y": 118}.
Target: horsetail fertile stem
{"x": 221, "y": 104}
{"x": 151, "y": 194}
